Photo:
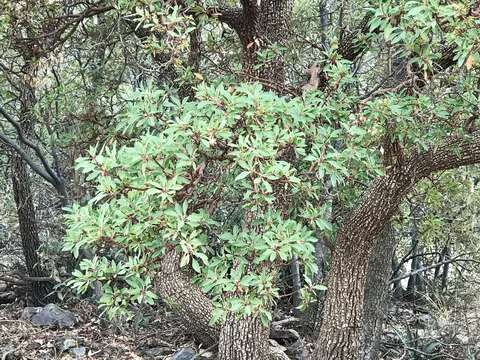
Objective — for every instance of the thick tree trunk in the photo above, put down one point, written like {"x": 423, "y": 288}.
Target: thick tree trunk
{"x": 28, "y": 231}
{"x": 355, "y": 303}
{"x": 376, "y": 292}
{"x": 259, "y": 25}
{"x": 238, "y": 339}
{"x": 271, "y": 24}
{"x": 341, "y": 335}
{"x": 188, "y": 301}
{"x": 243, "y": 339}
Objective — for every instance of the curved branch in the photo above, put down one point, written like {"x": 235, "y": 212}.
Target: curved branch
{"x": 27, "y": 158}
{"x": 176, "y": 289}
{"x": 54, "y": 179}
{"x": 454, "y": 153}
{"x": 232, "y": 16}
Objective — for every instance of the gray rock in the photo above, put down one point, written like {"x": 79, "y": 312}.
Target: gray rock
{"x": 463, "y": 339}
{"x": 78, "y": 352}
{"x": 28, "y": 312}
{"x": 49, "y": 315}
{"x": 184, "y": 354}
{"x": 68, "y": 344}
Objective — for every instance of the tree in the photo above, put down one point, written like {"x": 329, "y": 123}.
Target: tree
{"x": 28, "y": 38}
{"x": 266, "y": 160}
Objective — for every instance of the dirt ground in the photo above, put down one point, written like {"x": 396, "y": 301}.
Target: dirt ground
{"x": 418, "y": 332}
{"x": 158, "y": 339}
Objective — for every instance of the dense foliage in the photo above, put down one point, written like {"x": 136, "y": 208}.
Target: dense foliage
{"x": 186, "y": 129}
{"x": 231, "y": 180}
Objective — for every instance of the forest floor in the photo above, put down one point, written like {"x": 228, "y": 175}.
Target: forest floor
{"x": 158, "y": 338}
{"x": 429, "y": 331}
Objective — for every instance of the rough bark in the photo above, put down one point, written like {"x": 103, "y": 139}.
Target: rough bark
{"x": 177, "y": 290}
{"x": 243, "y": 339}
{"x": 238, "y": 339}
{"x": 28, "y": 231}
{"x": 260, "y": 24}
{"x": 341, "y": 334}
{"x": 23, "y": 196}
{"x": 321, "y": 253}
{"x": 376, "y": 292}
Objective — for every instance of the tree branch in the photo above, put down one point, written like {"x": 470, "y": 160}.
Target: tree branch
{"x": 45, "y": 171}
{"x": 232, "y": 16}
{"x": 27, "y": 158}
{"x": 425, "y": 268}
{"x": 55, "y": 180}
{"x": 455, "y": 152}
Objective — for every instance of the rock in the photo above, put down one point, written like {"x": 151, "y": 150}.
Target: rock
{"x": 78, "y": 352}
{"x": 184, "y": 354}
{"x": 49, "y": 315}
{"x": 425, "y": 321}
{"x": 68, "y": 344}
{"x": 277, "y": 351}
{"x": 206, "y": 355}
{"x": 28, "y": 312}
{"x": 463, "y": 339}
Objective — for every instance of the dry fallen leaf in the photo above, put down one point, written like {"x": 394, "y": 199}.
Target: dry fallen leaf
{"x": 469, "y": 62}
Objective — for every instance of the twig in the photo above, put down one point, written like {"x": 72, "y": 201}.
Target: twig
{"x": 285, "y": 321}
{"x": 455, "y": 259}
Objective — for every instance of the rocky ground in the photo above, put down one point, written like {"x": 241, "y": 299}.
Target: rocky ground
{"x": 420, "y": 331}
{"x": 163, "y": 337}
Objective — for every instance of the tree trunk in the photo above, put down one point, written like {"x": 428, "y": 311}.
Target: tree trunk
{"x": 413, "y": 280}
{"x": 376, "y": 292}
{"x": 296, "y": 285}
{"x": 445, "y": 269}
{"x": 28, "y": 231}
{"x": 342, "y": 333}
{"x": 243, "y": 339}
{"x": 441, "y": 258}
{"x": 188, "y": 301}
{"x": 24, "y": 201}
{"x": 259, "y": 25}
{"x": 320, "y": 255}
{"x": 238, "y": 339}
{"x": 398, "y": 292}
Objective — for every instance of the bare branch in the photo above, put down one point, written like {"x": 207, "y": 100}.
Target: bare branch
{"x": 55, "y": 180}
{"x": 35, "y": 167}
{"x": 425, "y": 268}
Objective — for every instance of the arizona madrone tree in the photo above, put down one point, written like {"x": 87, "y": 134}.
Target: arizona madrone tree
{"x": 209, "y": 198}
